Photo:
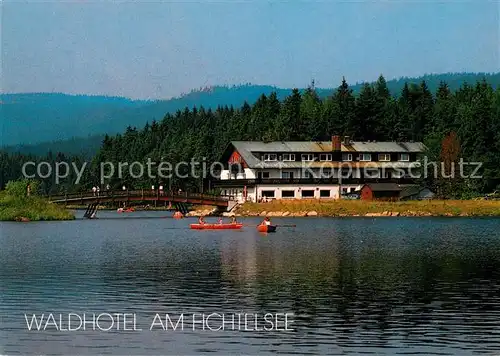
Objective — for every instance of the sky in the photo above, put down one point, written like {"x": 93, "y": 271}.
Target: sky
{"x": 160, "y": 49}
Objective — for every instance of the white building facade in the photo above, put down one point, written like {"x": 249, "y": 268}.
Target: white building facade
{"x": 256, "y": 171}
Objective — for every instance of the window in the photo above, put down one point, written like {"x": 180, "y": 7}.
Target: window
{"x": 308, "y": 174}
{"x": 371, "y": 173}
{"x": 344, "y": 190}
{"x": 325, "y": 157}
{"x": 287, "y": 175}
{"x": 326, "y": 173}
{"x": 347, "y": 173}
{"x": 346, "y": 156}
{"x": 384, "y": 157}
{"x": 287, "y": 157}
{"x": 365, "y": 157}
{"x": 270, "y": 157}
{"x": 268, "y": 193}
{"x": 405, "y": 157}
{"x": 308, "y": 194}
{"x": 263, "y": 175}
{"x": 288, "y": 193}
{"x": 308, "y": 157}
{"x": 324, "y": 193}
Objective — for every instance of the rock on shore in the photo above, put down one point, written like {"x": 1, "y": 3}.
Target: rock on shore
{"x": 313, "y": 213}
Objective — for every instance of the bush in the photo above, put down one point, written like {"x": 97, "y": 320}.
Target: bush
{"x": 19, "y": 188}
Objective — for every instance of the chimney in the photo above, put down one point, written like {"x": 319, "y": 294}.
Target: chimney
{"x": 347, "y": 140}
{"x": 336, "y": 146}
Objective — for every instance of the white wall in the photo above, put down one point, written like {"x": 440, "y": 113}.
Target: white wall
{"x": 334, "y": 190}
{"x": 248, "y": 174}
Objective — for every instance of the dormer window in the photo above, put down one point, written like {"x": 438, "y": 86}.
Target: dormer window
{"x": 325, "y": 157}
{"x": 346, "y": 156}
{"x": 384, "y": 157}
{"x": 270, "y": 157}
{"x": 404, "y": 157}
{"x": 288, "y": 157}
{"x": 365, "y": 157}
{"x": 308, "y": 157}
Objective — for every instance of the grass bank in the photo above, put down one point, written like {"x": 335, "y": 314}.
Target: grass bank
{"x": 34, "y": 208}
{"x": 371, "y": 208}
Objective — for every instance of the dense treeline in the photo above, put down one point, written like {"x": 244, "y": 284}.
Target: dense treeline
{"x": 44, "y": 117}
{"x": 414, "y": 114}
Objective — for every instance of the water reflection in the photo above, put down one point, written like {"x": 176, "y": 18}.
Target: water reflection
{"x": 386, "y": 286}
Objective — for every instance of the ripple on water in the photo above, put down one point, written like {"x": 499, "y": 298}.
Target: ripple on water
{"x": 355, "y": 286}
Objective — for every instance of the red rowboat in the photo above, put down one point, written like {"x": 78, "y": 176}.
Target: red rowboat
{"x": 266, "y": 228}
{"x": 215, "y": 226}
{"x": 128, "y": 210}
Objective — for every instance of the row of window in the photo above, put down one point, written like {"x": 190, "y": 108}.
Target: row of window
{"x": 305, "y": 193}
{"x": 325, "y": 157}
{"x": 307, "y": 175}
{"x": 290, "y": 194}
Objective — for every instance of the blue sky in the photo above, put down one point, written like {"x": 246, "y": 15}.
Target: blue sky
{"x": 159, "y": 49}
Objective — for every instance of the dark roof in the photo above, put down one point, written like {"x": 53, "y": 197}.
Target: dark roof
{"x": 249, "y": 151}
{"x": 410, "y": 190}
{"x": 384, "y": 187}
{"x": 326, "y": 146}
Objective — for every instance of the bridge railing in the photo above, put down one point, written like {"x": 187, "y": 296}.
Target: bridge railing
{"x": 145, "y": 193}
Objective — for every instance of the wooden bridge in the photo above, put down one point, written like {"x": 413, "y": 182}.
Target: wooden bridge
{"x": 141, "y": 195}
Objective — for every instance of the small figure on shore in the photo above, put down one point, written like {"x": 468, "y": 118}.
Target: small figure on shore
{"x": 98, "y": 190}
{"x": 28, "y": 190}
{"x": 161, "y": 189}
{"x": 107, "y": 187}
{"x": 94, "y": 189}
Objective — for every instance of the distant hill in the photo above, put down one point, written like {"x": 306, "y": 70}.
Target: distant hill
{"x": 29, "y": 119}
{"x": 77, "y": 146}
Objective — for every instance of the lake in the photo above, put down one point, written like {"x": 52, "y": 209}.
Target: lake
{"x": 348, "y": 286}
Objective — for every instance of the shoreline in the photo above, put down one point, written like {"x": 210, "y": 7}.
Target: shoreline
{"x": 32, "y": 209}
{"x": 346, "y": 208}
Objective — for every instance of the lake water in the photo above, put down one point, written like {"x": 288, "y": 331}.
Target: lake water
{"x": 354, "y": 285}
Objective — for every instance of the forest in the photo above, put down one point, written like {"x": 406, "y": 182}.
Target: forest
{"x": 465, "y": 120}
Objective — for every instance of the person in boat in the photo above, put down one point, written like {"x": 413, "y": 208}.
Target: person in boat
{"x": 220, "y": 220}
{"x": 233, "y": 220}
{"x": 201, "y": 220}
{"x": 266, "y": 221}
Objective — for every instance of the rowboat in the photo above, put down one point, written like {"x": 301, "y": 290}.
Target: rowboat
{"x": 266, "y": 228}
{"x": 215, "y": 226}
{"x": 128, "y": 210}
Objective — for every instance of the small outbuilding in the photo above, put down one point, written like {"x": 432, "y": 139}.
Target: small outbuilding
{"x": 415, "y": 192}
